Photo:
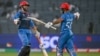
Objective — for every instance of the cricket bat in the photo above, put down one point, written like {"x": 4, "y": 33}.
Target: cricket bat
{"x": 40, "y": 21}
{"x": 44, "y": 51}
{"x": 42, "y": 48}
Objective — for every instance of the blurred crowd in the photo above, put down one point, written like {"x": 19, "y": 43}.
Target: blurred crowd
{"x": 50, "y": 12}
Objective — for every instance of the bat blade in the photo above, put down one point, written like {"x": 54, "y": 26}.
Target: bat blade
{"x": 44, "y": 52}
{"x": 40, "y": 21}
{"x": 43, "y": 49}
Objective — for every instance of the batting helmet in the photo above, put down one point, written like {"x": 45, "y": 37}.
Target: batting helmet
{"x": 24, "y": 3}
{"x": 65, "y": 6}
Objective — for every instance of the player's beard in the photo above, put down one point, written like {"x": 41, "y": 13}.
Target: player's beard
{"x": 25, "y": 9}
{"x": 62, "y": 11}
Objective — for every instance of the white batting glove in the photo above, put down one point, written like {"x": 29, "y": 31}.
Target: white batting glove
{"x": 48, "y": 25}
{"x": 77, "y": 14}
{"x": 37, "y": 34}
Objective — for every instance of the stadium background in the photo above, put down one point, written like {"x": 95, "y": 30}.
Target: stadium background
{"x": 86, "y": 29}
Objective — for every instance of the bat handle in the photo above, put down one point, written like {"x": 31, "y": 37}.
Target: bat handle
{"x": 53, "y": 28}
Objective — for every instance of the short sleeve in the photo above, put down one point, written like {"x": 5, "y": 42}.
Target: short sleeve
{"x": 63, "y": 17}
{"x": 32, "y": 23}
{"x": 16, "y": 16}
{"x": 73, "y": 16}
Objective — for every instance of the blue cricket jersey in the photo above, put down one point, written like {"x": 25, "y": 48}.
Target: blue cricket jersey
{"x": 24, "y": 22}
{"x": 67, "y": 22}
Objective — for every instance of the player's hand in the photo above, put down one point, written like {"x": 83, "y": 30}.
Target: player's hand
{"x": 77, "y": 14}
{"x": 37, "y": 34}
{"x": 48, "y": 25}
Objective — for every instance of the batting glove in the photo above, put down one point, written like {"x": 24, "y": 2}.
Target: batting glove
{"x": 77, "y": 14}
{"x": 48, "y": 25}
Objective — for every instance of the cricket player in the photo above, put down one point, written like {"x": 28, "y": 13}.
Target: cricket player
{"x": 24, "y": 28}
{"x": 66, "y": 35}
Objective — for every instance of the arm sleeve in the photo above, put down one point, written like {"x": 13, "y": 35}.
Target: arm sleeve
{"x": 32, "y": 23}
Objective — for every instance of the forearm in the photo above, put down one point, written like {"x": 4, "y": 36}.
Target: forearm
{"x": 49, "y": 24}
{"x": 57, "y": 21}
{"x": 34, "y": 29}
{"x": 37, "y": 34}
